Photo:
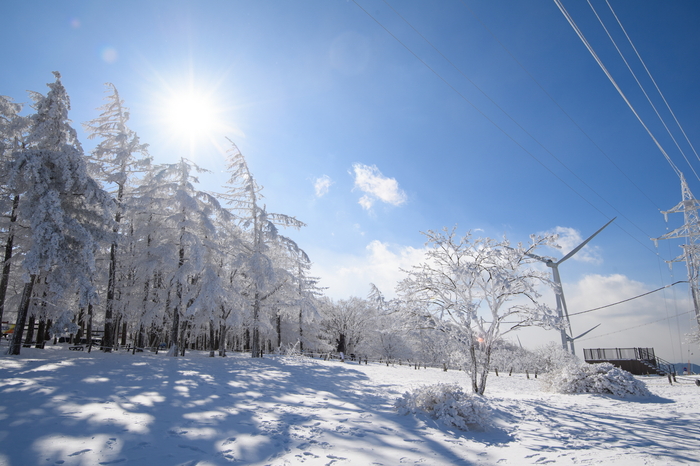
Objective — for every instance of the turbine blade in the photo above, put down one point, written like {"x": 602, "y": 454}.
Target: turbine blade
{"x": 584, "y": 333}
{"x": 578, "y": 248}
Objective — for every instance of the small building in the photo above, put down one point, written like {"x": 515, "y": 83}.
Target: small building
{"x": 638, "y": 361}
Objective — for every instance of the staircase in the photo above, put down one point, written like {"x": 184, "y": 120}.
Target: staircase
{"x": 659, "y": 366}
{"x": 638, "y": 361}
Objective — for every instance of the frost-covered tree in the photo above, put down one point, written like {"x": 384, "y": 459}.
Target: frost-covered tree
{"x": 390, "y": 337}
{"x": 469, "y": 286}
{"x": 307, "y": 293}
{"x": 347, "y": 322}
{"x": 180, "y": 235}
{"x": 117, "y": 157}
{"x": 66, "y": 213}
{"x": 552, "y": 357}
{"x": 264, "y": 276}
{"x": 13, "y": 128}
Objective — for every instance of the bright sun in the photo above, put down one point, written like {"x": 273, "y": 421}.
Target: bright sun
{"x": 191, "y": 115}
{"x": 193, "y": 120}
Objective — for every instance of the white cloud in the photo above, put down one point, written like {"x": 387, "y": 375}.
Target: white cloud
{"x": 376, "y": 186}
{"x": 348, "y": 275}
{"x": 569, "y": 238}
{"x": 646, "y": 322}
{"x": 322, "y": 185}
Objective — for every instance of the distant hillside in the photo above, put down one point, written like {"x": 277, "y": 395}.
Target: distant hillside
{"x": 680, "y": 366}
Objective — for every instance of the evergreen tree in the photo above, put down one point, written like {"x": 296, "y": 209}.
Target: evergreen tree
{"x": 66, "y": 212}
{"x": 114, "y": 161}
{"x": 13, "y": 129}
{"x": 263, "y": 276}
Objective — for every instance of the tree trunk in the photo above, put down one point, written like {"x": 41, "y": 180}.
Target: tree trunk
{"x": 341, "y": 343}
{"x": 88, "y": 332}
{"x": 108, "y": 337}
{"x": 222, "y": 340}
{"x": 255, "y": 343}
{"x": 41, "y": 334}
{"x": 30, "y": 332}
{"x": 484, "y": 372}
{"x": 474, "y": 368}
{"x": 301, "y": 331}
{"x": 47, "y": 334}
{"x": 5, "y": 279}
{"x": 124, "y": 332}
{"x": 22, "y": 316}
{"x": 81, "y": 326}
{"x": 174, "y": 330}
{"x": 212, "y": 340}
{"x": 183, "y": 338}
{"x": 279, "y": 330}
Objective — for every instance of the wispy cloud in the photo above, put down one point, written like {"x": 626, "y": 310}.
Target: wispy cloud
{"x": 376, "y": 186}
{"x": 380, "y": 263}
{"x": 322, "y": 185}
{"x": 569, "y": 238}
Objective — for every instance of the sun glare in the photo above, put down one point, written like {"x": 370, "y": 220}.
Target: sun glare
{"x": 191, "y": 119}
{"x": 191, "y": 115}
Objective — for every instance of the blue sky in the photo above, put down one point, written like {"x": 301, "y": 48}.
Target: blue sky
{"x": 491, "y": 116}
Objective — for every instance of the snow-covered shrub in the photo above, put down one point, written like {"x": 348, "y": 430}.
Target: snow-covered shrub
{"x": 447, "y": 403}
{"x": 552, "y": 358}
{"x": 63, "y": 325}
{"x": 603, "y": 378}
{"x": 292, "y": 350}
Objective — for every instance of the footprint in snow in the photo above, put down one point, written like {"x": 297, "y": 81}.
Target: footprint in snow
{"x": 229, "y": 440}
{"x": 193, "y": 448}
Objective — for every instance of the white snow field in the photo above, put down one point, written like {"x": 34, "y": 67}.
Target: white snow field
{"x": 60, "y": 407}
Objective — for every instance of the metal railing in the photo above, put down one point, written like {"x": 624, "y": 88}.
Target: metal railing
{"x": 619, "y": 354}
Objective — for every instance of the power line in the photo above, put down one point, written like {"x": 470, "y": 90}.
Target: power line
{"x": 600, "y": 149}
{"x": 463, "y": 97}
{"x": 510, "y": 117}
{"x": 628, "y": 299}
{"x": 653, "y": 80}
{"x": 634, "y": 75}
{"x": 578, "y": 31}
{"x": 637, "y": 326}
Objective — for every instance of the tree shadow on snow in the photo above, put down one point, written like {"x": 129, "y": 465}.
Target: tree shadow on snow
{"x": 145, "y": 409}
{"x": 590, "y": 422}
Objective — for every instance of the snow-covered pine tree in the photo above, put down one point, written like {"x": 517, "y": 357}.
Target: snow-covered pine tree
{"x": 114, "y": 161}
{"x": 185, "y": 241}
{"x": 13, "y": 129}
{"x": 264, "y": 279}
{"x": 468, "y": 287}
{"x": 307, "y": 298}
{"x": 66, "y": 213}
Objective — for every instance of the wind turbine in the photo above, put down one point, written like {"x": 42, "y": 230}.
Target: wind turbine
{"x": 561, "y": 302}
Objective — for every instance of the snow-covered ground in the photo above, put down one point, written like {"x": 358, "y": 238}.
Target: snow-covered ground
{"x": 71, "y": 408}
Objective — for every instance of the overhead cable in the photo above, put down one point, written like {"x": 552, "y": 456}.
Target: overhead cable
{"x": 641, "y": 87}
{"x": 628, "y": 299}
{"x": 614, "y": 83}
{"x": 463, "y": 97}
{"x": 600, "y": 149}
{"x": 637, "y": 326}
{"x": 653, "y": 81}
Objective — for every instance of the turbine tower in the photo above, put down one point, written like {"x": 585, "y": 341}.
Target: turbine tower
{"x": 691, "y": 250}
{"x": 562, "y": 311}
